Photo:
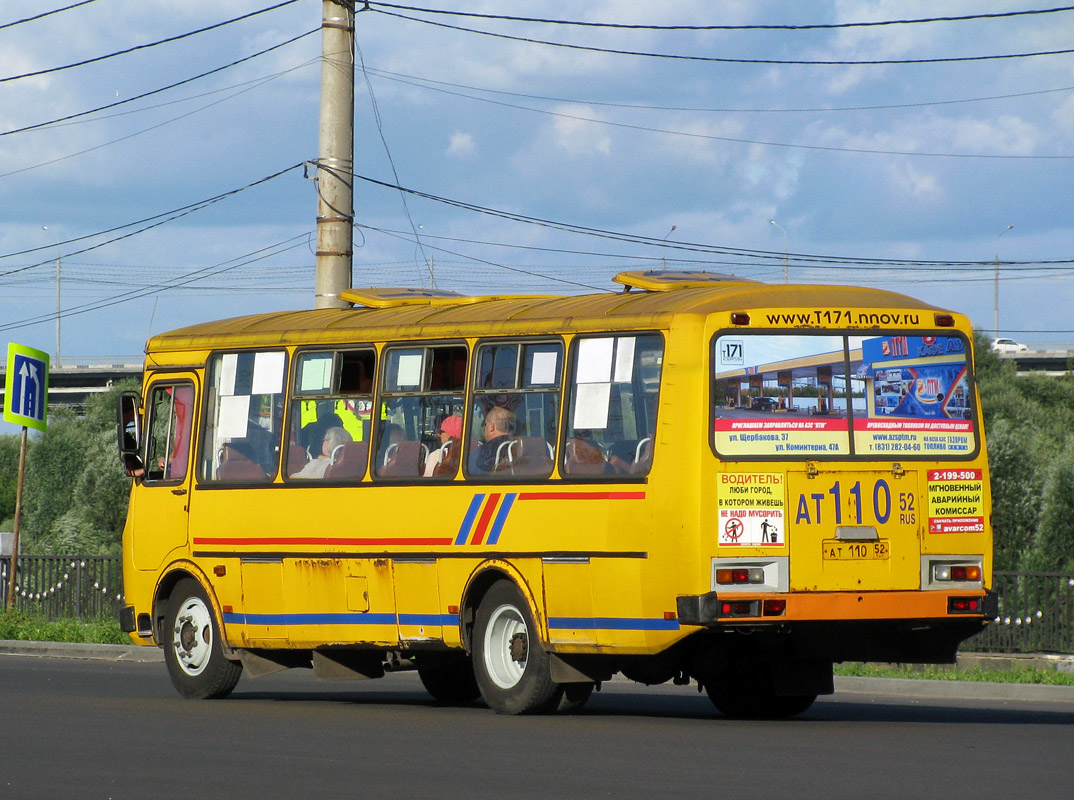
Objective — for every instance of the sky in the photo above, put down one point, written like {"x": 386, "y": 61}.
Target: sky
{"x": 683, "y": 138}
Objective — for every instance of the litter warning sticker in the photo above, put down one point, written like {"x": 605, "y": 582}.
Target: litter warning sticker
{"x": 956, "y": 501}
{"x": 751, "y": 506}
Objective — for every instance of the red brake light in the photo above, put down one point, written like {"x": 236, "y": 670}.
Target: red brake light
{"x": 740, "y": 318}
{"x": 945, "y": 321}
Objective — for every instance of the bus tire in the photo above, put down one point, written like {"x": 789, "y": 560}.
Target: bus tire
{"x": 448, "y": 677}
{"x": 512, "y": 669}
{"x": 574, "y": 697}
{"x": 192, "y": 647}
{"x": 756, "y": 701}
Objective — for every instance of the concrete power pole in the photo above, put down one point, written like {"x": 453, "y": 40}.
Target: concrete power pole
{"x": 335, "y": 181}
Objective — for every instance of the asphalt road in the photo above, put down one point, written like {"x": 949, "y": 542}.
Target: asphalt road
{"x": 100, "y": 729}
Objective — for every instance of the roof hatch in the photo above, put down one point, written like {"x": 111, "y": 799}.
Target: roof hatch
{"x": 658, "y": 280}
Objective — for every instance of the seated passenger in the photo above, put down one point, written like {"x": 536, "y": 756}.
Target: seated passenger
{"x": 445, "y": 459}
{"x": 333, "y": 438}
{"x": 500, "y": 424}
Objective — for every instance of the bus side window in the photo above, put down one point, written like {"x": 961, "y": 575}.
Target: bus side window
{"x": 515, "y": 413}
{"x": 171, "y": 412}
{"x": 333, "y": 390}
{"x": 420, "y": 412}
{"x": 244, "y": 416}
{"x": 614, "y": 392}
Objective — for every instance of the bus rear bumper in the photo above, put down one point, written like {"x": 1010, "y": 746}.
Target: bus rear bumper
{"x": 917, "y": 627}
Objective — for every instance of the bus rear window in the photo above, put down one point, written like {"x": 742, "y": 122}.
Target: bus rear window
{"x": 889, "y": 396}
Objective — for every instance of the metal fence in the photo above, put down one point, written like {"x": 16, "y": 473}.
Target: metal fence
{"x": 1036, "y": 609}
{"x": 66, "y": 587}
{"x": 1036, "y": 615}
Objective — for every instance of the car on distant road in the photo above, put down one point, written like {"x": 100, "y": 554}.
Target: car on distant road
{"x": 1004, "y": 345}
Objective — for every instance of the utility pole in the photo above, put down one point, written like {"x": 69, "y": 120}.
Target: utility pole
{"x": 335, "y": 159}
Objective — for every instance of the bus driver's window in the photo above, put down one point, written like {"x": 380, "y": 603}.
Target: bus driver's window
{"x": 171, "y": 411}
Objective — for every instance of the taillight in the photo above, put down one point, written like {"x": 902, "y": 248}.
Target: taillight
{"x": 964, "y": 605}
{"x": 774, "y": 607}
{"x": 956, "y": 572}
{"x": 739, "y": 575}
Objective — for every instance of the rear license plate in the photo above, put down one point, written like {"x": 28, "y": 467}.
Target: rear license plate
{"x": 838, "y": 550}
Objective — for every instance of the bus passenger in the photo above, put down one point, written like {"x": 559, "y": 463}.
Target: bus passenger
{"x": 333, "y": 438}
{"x": 500, "y": 424}
{"x": 444, "y": 460}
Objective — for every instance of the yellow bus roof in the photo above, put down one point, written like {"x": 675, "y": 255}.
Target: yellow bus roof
{"x": 389, "y": 313}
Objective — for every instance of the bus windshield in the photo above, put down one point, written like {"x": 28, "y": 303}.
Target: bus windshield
{"x": 879, "y": 396}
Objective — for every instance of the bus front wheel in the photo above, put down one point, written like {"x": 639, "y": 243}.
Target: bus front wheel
{"x": 192, "y": 648}
{"x": 512, "y": 669}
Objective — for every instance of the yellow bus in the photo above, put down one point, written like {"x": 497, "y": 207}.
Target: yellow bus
{"x": 697, "y": 478}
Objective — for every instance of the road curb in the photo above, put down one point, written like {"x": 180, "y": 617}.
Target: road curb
{"x": 915, "y": 688}
{"x": 95, "y": 652}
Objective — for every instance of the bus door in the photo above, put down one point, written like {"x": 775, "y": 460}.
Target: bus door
{"x": 853, "y": 530}
{"x": 160, "y": 506}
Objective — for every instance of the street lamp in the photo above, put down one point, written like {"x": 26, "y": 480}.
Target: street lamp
{"x": 780, "y": 228}
{"x": 58, "y": 360}
{"x": 995, "y": 289}
{"x": 663, "y": 244}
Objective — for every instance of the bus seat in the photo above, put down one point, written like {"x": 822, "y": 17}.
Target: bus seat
{"x": 643, "y": 456}
{"x": 297, "y": 458}
{"x": 584, "y": 458}
{"x": 448, "y": 464}
{"x": 532, "y": 455}
{"x": 350, "y": 462}
{"x": 405, "y": 460}
{"x": 238, "y": 468}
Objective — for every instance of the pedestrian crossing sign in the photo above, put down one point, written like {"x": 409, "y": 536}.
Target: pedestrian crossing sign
{"x": 26, "y": 387}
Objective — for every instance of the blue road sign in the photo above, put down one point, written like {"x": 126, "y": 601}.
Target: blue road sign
{"x": 26, "y": 387}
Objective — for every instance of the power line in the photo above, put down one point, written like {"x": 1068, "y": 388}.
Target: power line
{"x": 768, "y": 143}
{"x": 135, "y": 48}
{"x": 727, "y": 59}
{"x": 808, "y": 258}
{"x": 154, "y": 221}
{"x": 152, "y": 92}
{"x": 423, "y": 82}
{"x": 810, "y": 26}
{"x": 44, "y": 14}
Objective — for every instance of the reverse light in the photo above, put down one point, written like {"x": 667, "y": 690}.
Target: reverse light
{"x": 739, "y": 575}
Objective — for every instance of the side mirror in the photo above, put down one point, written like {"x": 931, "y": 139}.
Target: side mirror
{"x": 130, "y": 434}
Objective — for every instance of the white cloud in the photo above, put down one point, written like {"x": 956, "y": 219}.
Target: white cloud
{"x": 461, "y": 145}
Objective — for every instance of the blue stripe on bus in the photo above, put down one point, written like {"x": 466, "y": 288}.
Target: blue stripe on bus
{"x": 468, "y": 520}
{"x": 612, "y": 624}
{"x": 349, "y": 618}
{"x": 501, "y": 517}
{"x": 428, "y": 619}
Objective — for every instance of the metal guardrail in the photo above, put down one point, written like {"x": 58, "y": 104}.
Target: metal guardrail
{"x": 1036, "y": 609}
{"x": 1036, "y": 615}
{"x": 66, "y": 587}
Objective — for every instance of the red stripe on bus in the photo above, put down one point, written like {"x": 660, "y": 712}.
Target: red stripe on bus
{"x": 288, "y": 540}
{"x": 486, "y": 517}
{"x": 581, "y": 496}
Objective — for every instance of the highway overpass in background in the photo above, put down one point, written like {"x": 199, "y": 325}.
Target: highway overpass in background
{"x": 71, "y": 383}
{"x": 76, "y": 379}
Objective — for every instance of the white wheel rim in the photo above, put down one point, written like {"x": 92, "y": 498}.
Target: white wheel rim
{"x": 503, "y": 661}
{"x": 192, "y": 637}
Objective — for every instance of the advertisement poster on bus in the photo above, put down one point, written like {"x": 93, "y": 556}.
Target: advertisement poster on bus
{"x": 796, "y": 395}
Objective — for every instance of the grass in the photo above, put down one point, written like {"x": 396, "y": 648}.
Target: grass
{"x": 935, "y": 672}
{"x": 29, "y": 627}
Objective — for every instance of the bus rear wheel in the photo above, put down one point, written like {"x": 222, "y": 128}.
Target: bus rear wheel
{"x": 448, "y": 677}
{"x": 192, "y": 647}
{"x": 755, "y": 700}
{"x": 512, "y": 669}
